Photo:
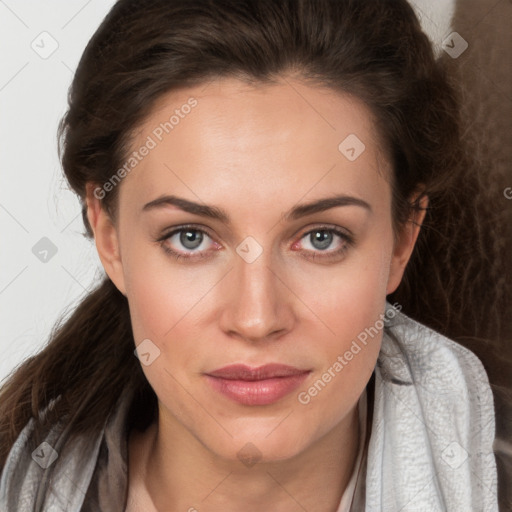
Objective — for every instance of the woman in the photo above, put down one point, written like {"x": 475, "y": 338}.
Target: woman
{"x": 255, "y": 176}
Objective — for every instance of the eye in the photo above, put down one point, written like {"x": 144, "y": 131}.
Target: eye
{"x": 317, "y": 242}
{"x": 186, "y": 242}
{"x": 190, "y": 242}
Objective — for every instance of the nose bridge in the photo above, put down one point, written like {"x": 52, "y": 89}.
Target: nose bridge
{"x": 258, "y": 305}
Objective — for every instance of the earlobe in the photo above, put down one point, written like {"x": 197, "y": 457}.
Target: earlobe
{"x": 106, "y": 238}
{"x": 405, "y": 245}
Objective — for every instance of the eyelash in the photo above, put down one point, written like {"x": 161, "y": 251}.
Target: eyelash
{"x": 347, "y": 240}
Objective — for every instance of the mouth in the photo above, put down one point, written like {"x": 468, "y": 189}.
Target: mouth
{"x": 263, "y": 385}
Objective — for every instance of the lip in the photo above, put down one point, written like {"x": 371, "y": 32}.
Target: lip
{"x": 262, "y": 385}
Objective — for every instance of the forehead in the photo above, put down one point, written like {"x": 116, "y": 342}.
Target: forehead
{"x": 226, "y": 137}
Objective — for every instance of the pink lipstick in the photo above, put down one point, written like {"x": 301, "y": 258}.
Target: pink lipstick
{"x": 263, "y": 385}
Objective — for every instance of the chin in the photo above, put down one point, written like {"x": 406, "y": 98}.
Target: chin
{"x": 262, "y": 445}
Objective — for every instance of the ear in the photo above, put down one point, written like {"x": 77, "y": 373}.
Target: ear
{"x": 105, "y": 237}
{"x": 405, "y": 242}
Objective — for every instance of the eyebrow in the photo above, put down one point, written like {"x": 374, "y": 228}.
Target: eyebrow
{"x": 295, "y": 213}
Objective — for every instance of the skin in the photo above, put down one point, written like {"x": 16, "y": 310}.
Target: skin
{"x": 255, "y": 152}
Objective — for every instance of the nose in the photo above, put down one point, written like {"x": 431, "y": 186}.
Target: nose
{"x": 258, "y": 304}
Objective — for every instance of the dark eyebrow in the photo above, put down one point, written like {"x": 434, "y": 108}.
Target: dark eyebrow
{"x": 218, "y": 214}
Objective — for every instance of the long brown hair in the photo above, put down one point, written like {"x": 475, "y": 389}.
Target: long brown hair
{"x": 373, "y": 50}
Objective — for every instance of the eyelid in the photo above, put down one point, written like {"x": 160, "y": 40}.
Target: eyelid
{"x": 328, "y": 227}
{"x": 182, "y": 227}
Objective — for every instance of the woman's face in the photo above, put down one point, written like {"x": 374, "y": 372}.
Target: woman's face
{"x": 260, "y": 275}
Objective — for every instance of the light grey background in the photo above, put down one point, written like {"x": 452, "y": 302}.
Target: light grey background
{"x": 34, "y": 199}
{"x": 40, "y": 45}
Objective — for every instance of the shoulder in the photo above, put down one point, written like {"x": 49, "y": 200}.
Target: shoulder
{"x": 432, "y": 360}
{"x": 448, "y": 380}
{"x": 50, "y": 469}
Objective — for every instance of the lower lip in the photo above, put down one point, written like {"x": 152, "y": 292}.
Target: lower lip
{"x": 258, "y": 392}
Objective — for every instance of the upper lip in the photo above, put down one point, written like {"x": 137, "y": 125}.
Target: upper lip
{"x": 267, "y": 371}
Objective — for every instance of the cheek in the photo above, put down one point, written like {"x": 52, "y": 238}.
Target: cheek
{"x": 353, "y": 312}
{"x": 165, "y": 307}
{"x": 161, "y": 295}
{"x": 171, "y": 305}
{"x": 351, "y": 306}
{"x": 349, "y": 296}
